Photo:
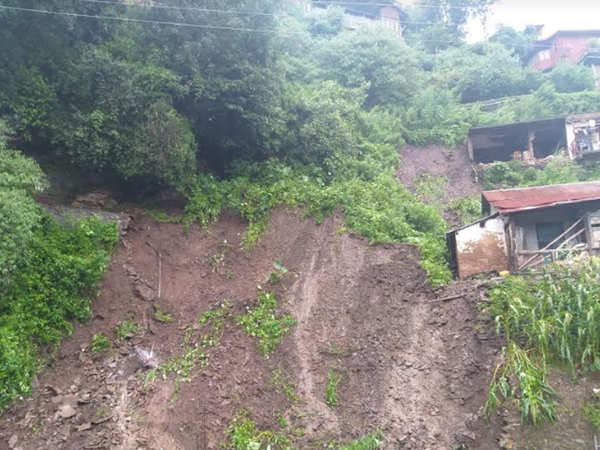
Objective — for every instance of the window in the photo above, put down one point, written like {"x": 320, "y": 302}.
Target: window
{"x": 544, "y": 55}
{"x": 547, "y": 232}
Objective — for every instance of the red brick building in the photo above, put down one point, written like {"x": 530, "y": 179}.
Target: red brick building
{"x": 572, "y": 45}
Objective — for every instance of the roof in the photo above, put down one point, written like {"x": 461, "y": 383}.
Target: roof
{"x": 507, "y": 201}
{"x": 506, "y": 126}
{"x": 366, "y": 10}
{"x": 572, "y": 33}
{"x": 462, "y": 227}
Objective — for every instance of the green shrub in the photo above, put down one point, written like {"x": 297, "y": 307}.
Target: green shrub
{"x": 127, "y": 329}
{"x": 99, "y": 343}
{"x": 245, "y": 435}
{"x": 261, "y": 322}
{"x": 51, "y": 286}
{"x": 468, "y": 209}
{"x": 333, "y": 380}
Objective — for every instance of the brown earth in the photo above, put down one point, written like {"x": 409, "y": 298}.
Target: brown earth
{"x": 435, "y": 160}
{"x": 439, "y": 161}
{"x": 411, "y": 365}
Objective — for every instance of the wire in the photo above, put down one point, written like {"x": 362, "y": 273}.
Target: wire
{"x": 185, "y": 8}
{"x": 222, "y": 11}
{"x": 209, "y": 27}
{"x": 237, "y": 12}
{"x": 147, "y": 21}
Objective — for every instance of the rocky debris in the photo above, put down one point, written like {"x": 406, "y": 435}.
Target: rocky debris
{"x": 12, "y": 442}
{"x": 65, "y": 411}
{"x": 94, "y": 199}
{"x": 144, "y": 292}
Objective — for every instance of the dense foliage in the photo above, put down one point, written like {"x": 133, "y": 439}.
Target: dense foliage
{"x": 47, "y": 271}
{"x": 554, "y": 319}
{"x": 502, "y": 174}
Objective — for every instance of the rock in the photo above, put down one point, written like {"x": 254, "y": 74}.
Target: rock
{"x": 96, "y": 199}
{"x": 84, "y": 426}
{"x": 12, "y": 442}
{"x": 66, "y": 411}
{"x": 144, "y": 292}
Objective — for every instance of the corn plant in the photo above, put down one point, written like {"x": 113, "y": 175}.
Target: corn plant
{"x": 555, "y": 319}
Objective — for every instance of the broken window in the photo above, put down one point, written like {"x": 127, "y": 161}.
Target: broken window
{"x": 548, "y": 232}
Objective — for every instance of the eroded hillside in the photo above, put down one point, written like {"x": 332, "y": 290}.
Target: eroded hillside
{"x": 409, "y": 364}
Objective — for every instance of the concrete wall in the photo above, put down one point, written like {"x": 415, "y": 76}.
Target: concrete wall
{"x": 481, "y": 248}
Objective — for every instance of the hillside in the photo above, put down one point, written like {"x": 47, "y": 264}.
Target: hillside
{"x": 409, "y": 365}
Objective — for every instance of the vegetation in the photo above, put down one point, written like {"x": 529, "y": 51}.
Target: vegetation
{"x": 553, "y": 320}
{"x": 261, "y": 322}
{"x": 333, "y": 379}
{"x": 591, "y": 411}
{"x": 127, "y": 329}
{"x": 468, "y": 209}
{"x": 244, "y": 435}
{"x": 99, "y": 343}
{"x": 501, "y": 174}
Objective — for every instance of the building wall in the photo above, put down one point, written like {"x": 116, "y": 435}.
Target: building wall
{"x": 481, "y": 248}
{"x": 583, "y": 131}
{"x": 571, "y": 48}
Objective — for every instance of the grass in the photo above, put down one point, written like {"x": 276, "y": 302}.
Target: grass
{"x": 243, "y": 434}
{"x": 262, "y": 323}
{"x": 180, "y": 366}
{"x": 127, "y": 329}
{"x": 99, "y": 343}
{"x": 161, "y": 316}
{"x": 591, "y": 411}
{"x": 369, "y": 442}
{"x": 281, "y": 383}
{"x": 278, "y": 272}
{"x": 333, "y": 379}
{"x": 555, "y": 319}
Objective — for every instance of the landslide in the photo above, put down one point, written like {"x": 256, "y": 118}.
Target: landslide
{"x": 414, "y": 367}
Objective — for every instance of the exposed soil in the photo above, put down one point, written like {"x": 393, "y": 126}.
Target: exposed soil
{"x": 454, "y": 164}
{"x": 438, "y": 161}
{"x": 412, "y": 366}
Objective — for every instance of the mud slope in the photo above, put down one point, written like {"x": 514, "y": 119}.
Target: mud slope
{"x": 409, "y": 365}
{"x": 438, "y": 161}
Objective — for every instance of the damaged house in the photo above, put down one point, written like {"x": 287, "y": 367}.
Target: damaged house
{"x": 578, "y": 135}
{"x": 525, "y": 228}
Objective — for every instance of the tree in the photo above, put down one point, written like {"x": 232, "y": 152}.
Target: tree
{"x": 568, "y": 77}
{"x": 519, "y": 42}
{"x": 374, "y": 58}
{"x": 436, "y": 26}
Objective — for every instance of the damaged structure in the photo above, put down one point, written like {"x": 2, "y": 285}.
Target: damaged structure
{"x": 578, "y": 135}
{"x": 525, "y": 228}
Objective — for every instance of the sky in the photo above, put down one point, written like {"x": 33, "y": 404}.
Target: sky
{"x": 554, "y": 14}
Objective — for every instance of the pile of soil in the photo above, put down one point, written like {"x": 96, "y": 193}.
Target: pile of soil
{"x": 411, "y": 365}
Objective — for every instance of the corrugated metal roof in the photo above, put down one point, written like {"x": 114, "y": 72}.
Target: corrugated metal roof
{"x": 507, "y": 201}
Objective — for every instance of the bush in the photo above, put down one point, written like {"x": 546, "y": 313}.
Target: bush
{"x": 568, "y": 77}
{"x": 50, "y": 287}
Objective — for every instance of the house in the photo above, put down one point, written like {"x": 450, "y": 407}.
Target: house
{"x": 357, "y": 15}
{"x": 576, "y": 46}
{"x": 577, "y": 134}
{"x": 524, "y": 228}
{"x": 570, "y": 45}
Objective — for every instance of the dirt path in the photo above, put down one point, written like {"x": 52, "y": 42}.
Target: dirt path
{"x": 411, "y": 368}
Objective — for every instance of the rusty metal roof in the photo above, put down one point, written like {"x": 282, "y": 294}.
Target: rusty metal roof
{"x": 507, "y": 201}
